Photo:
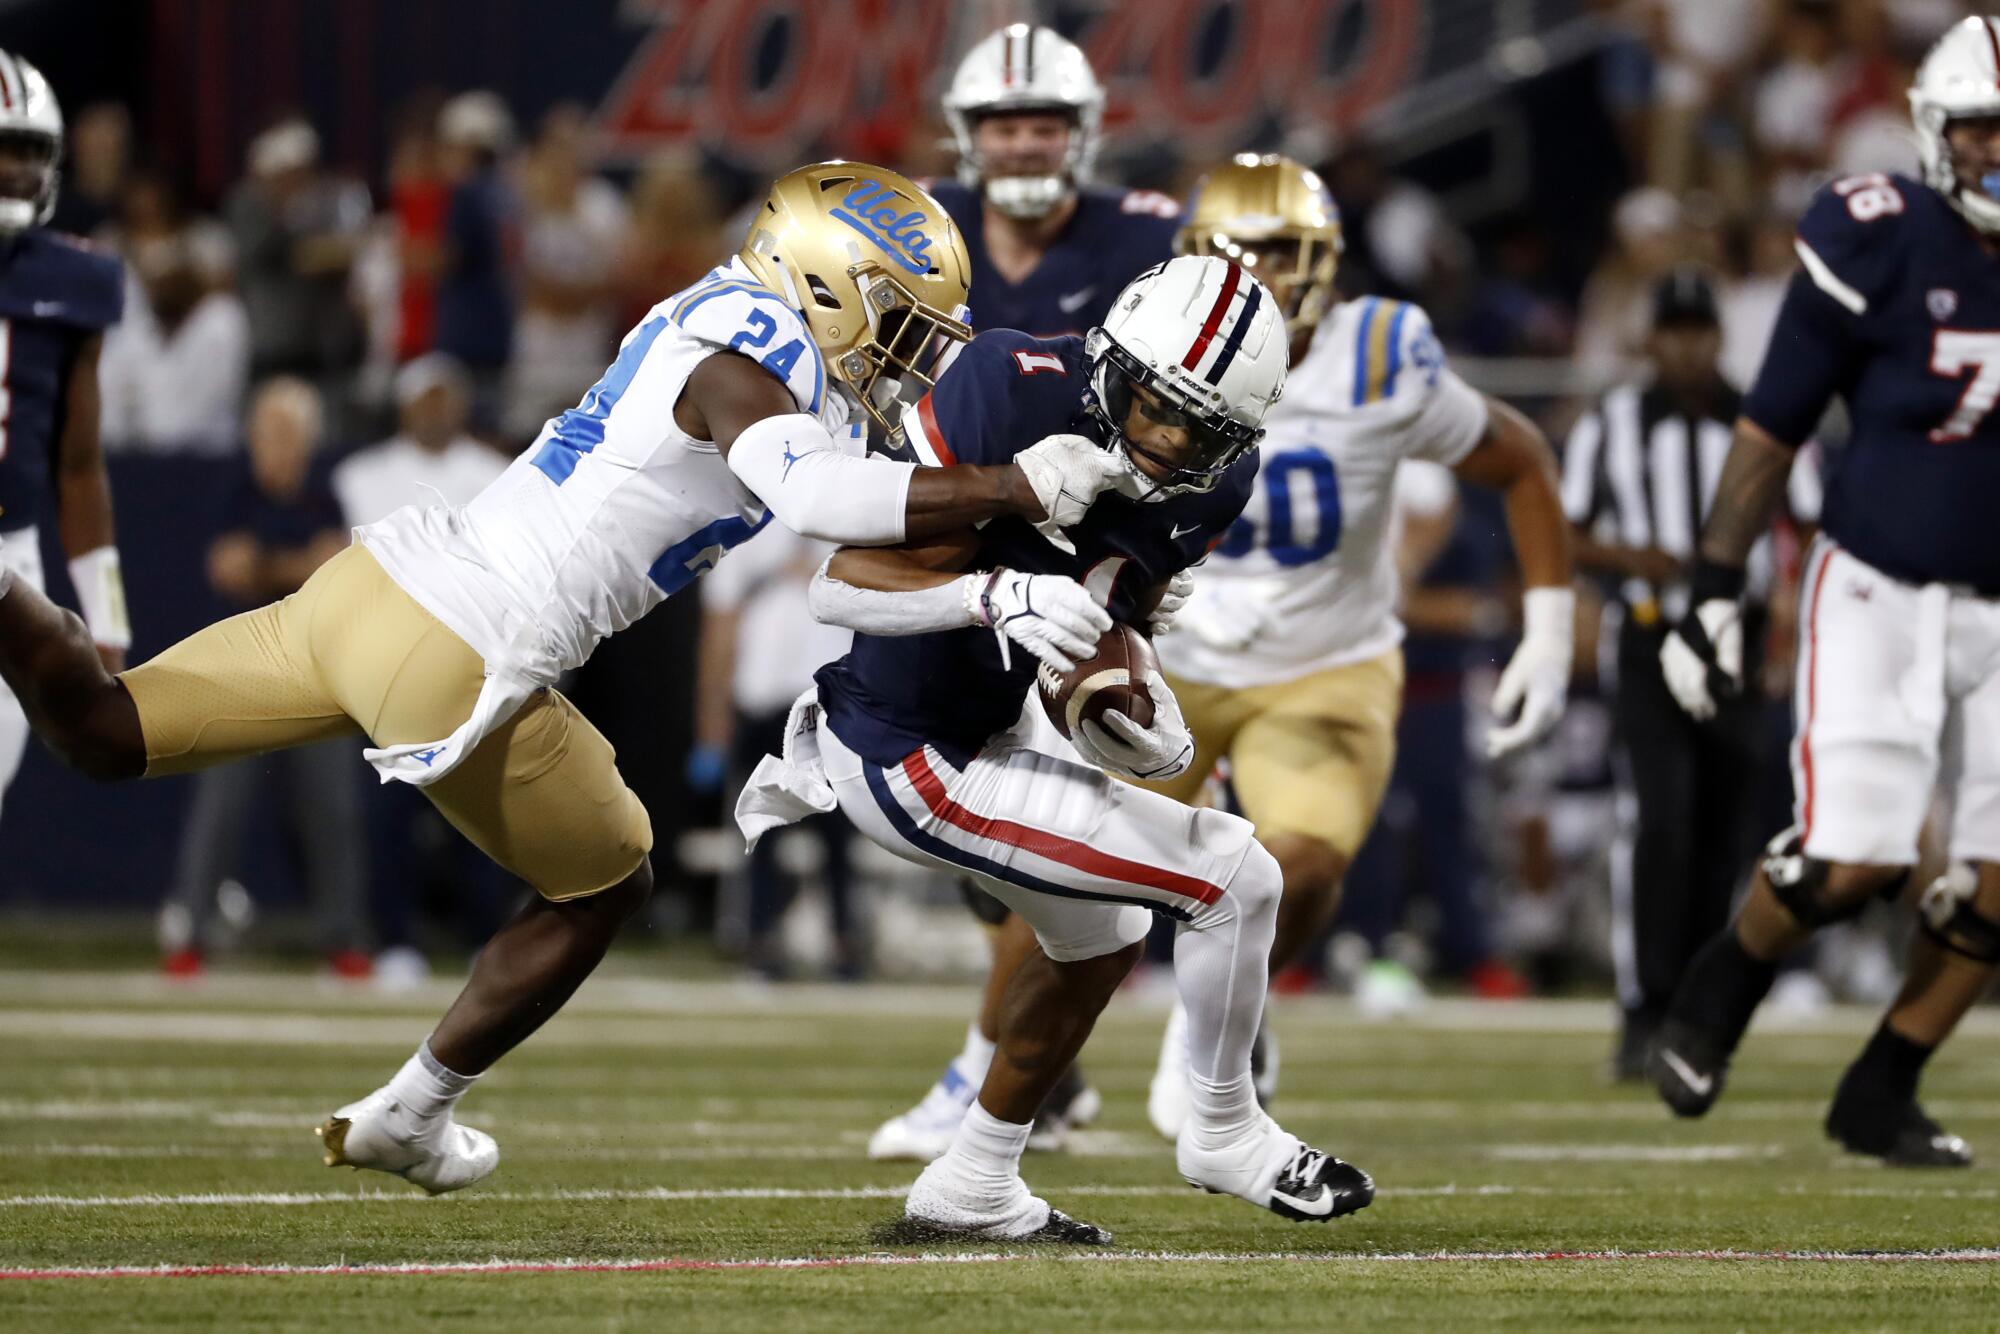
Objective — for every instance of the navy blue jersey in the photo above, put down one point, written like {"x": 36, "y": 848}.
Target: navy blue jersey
{"x": 55, "y": 292}
{"x": 1896, "y": 312}
{"x": 1006, "y": 391}
{"x": 1114, "y": 236}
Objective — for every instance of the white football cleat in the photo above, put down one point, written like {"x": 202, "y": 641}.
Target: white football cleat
{"x": 944, "y": 1202}
{"x": 1169, "y": 1103}
{"x": 926, "y": 1130}
{"x": 1276, "y": 1170}
{"x": 383, "y": 1135}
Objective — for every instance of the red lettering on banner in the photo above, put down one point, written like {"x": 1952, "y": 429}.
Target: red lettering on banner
{"x": 864, "y": 75}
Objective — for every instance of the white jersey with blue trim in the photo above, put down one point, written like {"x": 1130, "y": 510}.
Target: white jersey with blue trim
{"x": 1315, "y": 543}
{"x": 613, "y": 508}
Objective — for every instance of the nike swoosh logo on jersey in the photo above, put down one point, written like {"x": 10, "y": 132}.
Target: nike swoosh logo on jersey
{"x": 1699, "y": 1085}
{"x": 1319, "y": 1207}
{"x": 1073, "y": 302}
{"x": 1180, "y": 532}
{"x": 48, "y": 309}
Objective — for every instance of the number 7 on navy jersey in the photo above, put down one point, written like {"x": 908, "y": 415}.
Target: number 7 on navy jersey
{"x": 1953, "y": 352}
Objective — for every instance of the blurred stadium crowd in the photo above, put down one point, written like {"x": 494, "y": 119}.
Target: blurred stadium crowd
{"x": 337, "y": 345}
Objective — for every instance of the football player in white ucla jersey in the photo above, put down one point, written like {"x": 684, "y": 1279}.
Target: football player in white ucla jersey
{"x": 440, "y": 633}
{"x": 928, "y": 736}
{"x": 1286, "y": 658}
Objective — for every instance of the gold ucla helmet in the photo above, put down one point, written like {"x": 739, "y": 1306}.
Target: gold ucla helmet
{"x": 878, "y": 269}
{"x": 1276, "y": 218}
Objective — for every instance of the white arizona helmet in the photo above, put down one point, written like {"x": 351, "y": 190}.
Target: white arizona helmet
{"x": 1206, "y": 341}
{"x": 28, "y": 110}
{"x": 1025, "y": 68}
{"x": 1959, "y": 78}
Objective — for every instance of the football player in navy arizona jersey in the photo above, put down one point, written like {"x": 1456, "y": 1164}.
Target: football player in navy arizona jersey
{"x": 57, "y": 297}
{"x": 1049, "y": 251}
{"x": 1896, "y": 312}
{"x": 932, "y": 746}
{"x": 1049, "y": 248}
{"x": 1049, "y": 255}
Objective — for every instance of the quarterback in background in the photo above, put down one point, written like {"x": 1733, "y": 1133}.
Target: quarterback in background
{"x": 1049, "y": 249}
{"x": 57, "y": 297}
{"x": 1286, "y": 658}
{"x": 440, "y": 634}
{"x": 1895, "y": 312}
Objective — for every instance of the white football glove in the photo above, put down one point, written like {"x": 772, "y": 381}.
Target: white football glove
{"x": 1179, "y": 589}
{"x": 1702, "y": 657}
{"x": 1067, "y": 473}
{"x": 1051, "y": 615}
{"x": 1537, "y": 677}
{"x": 1229, "y": 615}
{"x": 1150, "y": 754}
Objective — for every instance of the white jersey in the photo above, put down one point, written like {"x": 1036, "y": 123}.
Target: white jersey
{"x": 614, "y": 508}
{"x": 1315, "y": 542}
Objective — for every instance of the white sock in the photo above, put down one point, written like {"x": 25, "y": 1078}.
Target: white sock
{"x": 1221, "y": 968}
{"x": 1223, "y": 1110}
{"x": 977, "y": 1054}
{"x": 425, "y": 1086}
{"x": 987, "y": 1149}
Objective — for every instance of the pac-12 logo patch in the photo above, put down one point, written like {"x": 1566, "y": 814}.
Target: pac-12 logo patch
{"x": 1942, "y": 303}
{"x": 870, "y": 208}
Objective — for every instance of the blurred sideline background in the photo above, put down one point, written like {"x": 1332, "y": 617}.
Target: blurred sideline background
{"x": 282, "y": 179}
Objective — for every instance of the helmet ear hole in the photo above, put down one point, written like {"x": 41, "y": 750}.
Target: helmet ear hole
{"x": 822, "y": 294}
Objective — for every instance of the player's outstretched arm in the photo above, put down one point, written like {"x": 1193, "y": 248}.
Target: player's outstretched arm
{"x": 1515, "y": 457}
{"x": 916, "y": 589}
{"x": 83, "y": 504}
{"x": 817, "y": 489}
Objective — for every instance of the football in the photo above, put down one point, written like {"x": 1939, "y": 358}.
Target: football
{"x": 1114, "y": 677}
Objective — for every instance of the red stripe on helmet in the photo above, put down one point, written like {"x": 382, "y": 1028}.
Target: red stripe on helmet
{"x": 7, "y": 88}
{"x": 1214, "y": 320}
{"x": 1993, "y": 40}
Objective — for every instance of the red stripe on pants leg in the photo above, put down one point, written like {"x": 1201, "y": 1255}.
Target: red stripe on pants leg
{"x": 1054, "y": 847}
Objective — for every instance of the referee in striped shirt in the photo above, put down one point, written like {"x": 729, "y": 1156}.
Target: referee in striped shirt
{"x": 1639, "y": 474}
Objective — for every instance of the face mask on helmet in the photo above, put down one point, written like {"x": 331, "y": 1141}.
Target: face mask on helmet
{"x": 1025, "y": 159}
{"x": 27, "y": 179}
{"x": 901, "y": 362}
{"x": 1973, "y": 145}
{"x": 1174, "y": 446}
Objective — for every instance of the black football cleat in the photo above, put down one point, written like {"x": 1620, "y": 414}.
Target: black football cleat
{"x": 1688, "y": 1067}
{"x": 1062, "y": 1230}
{"x": 1315, "y": 1187}
{"x": 1899, "y": 1133}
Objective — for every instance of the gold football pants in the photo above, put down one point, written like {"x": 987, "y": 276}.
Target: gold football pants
{"x": 352, "y": 654}
{"x": 1308, "y": 756}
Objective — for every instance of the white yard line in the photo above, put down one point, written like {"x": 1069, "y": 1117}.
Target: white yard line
{"x": 396, "y": 1195}
{"x": 498, "y": 1266}
{"x": 726, "y": 1000}
{"x": 1633, "y": 1153}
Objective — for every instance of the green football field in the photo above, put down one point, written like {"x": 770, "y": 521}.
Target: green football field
{"x": 691, "y": 1156}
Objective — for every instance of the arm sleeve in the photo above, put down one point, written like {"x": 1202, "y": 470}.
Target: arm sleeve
{"x": 1582, "y": 469}
{"x": 817, "y": 490}
{"x": 873, "y": 612}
